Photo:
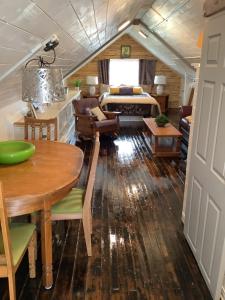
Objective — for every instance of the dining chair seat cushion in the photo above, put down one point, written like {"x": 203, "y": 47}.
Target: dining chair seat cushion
{"x": 20, "y": 235}
{"x": 71, "y": 204}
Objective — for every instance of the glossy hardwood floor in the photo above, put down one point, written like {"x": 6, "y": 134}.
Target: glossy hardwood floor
{"x": 139, "y": 251}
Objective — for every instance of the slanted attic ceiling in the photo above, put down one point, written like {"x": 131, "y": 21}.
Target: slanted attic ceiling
{"x": 84, "y": 26}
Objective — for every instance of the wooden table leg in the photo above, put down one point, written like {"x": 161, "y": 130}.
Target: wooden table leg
{"x": 150, "y": 136}
{"x": 156, "y": 145}
{"x": 46, "y": 247}
{"x": 178, "y": 144}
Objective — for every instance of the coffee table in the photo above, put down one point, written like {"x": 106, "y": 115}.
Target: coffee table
{"x": 160, "y": 136}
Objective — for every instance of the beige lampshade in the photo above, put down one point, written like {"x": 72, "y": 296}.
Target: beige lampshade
{"x": 160, "y": 79}
{"x": 92, "y": 80}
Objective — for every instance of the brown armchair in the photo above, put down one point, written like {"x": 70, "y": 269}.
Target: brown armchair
{"x": 185, "y": 111}
{"x": 184, "y": 127}
{"x": 86, "y": 124}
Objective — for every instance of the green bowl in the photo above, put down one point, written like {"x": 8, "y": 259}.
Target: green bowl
{"x": 13, "y": 152}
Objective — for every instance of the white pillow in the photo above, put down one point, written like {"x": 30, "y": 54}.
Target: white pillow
{"x": 96, "y": 111}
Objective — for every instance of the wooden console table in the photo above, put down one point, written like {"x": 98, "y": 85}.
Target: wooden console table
{"x": 163, "y": 149}
{"x": 63, "y": 111}
{"x": 38, "y": 183}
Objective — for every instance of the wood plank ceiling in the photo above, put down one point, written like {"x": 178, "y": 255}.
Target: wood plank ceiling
{"x": 84, "y": 26}
{"x": 81, "y": 25}
{"x": 178, "y": 22}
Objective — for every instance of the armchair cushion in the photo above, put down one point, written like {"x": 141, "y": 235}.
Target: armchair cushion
{"x": 96, "y": 111}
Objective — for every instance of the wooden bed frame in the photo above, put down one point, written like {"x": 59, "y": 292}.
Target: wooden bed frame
{"x": 144, "y": 110}
{"x": 138, "y": 106}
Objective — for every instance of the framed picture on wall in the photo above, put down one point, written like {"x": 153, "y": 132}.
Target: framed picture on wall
{"x": 125, "y": 51}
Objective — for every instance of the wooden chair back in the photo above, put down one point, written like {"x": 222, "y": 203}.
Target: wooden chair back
{"x": 40, "y": 126}
{"x": 7, "y": 267}
{"x": 80, "y": 106}
{"x": 91, "y": 178}
{"x": 86, "y": 214}
{"x": 6, "y": 261}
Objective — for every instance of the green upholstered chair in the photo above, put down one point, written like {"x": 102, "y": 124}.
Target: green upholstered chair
{"x": 77, "y": 204}
{"x": 15, "y": 239}
{"x": 71, "y": 204}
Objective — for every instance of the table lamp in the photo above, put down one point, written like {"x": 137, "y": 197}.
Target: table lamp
{"x": 160, "y": 81}
{"x": 92, "y": 81}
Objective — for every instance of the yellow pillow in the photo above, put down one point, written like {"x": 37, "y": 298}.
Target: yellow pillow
{"x": 104, "y": 88}
{"x": 137, "y": 90}
{"x": 96, "y": 111}
{"x": 114, "y": 90}
{"x": 189, "y": 118}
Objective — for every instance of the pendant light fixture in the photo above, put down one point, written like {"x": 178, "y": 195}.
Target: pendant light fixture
{"x": 43, "y": 84}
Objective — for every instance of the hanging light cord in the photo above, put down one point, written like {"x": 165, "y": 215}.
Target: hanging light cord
{"x": 41, "y": 62}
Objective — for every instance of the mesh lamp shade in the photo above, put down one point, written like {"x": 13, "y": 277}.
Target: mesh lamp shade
{"x": 92, "y": 81}
{"x": 42, "y": 85}
{"x": 160, "y": 81}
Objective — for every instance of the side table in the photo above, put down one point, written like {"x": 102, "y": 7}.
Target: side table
{"x": 164, "y": 133}
{"x": 90, "y": 96}
{"x": 163, "y": 101}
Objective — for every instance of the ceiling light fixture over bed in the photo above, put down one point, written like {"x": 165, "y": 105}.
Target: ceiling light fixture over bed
{"x": 123, "y": 25}
{"x": 144, "y": 35}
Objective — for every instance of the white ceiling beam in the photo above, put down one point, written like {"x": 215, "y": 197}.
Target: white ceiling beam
{"x": 164, "y": 53}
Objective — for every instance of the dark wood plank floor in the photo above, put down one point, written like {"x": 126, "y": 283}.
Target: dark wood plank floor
{"x": 139, "y": 251}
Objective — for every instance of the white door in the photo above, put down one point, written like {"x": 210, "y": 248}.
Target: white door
{"x": 204, "y": 225}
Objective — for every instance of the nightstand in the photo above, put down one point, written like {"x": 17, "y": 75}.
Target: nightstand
{"x": 163, "y": 102}
{"x": 90, "y": 96}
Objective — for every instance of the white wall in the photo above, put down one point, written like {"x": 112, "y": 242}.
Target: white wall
{"x": 8, "y": 115}
{"x": 11, "y": 106}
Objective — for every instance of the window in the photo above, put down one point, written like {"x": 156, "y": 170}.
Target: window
{"x": 124, "y": 71}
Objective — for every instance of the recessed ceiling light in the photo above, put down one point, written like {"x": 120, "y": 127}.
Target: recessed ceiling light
{"x": 122, "y": 26}
{"x": 144, "y": 35}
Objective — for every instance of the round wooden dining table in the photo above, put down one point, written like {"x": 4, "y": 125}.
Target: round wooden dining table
{"x": 38, "y": 183}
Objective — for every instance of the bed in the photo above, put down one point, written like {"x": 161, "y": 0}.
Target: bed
{"x": 131, "y": 105}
